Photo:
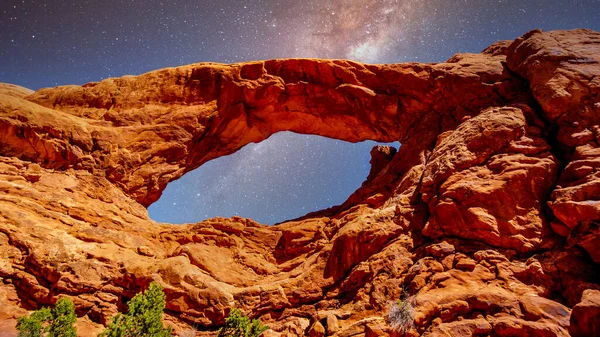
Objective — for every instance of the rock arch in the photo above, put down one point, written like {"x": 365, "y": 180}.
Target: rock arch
{"x": 153, "y": 128}
{"x": 483, "y": 209}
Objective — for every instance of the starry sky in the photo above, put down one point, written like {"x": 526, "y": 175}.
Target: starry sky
{"x": 57, "y": 42}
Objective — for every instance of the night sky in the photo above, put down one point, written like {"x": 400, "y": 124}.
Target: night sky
{"x": 49, "y": 43}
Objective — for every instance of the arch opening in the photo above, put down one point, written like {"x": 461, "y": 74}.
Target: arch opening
{"x": 283, "y": 177}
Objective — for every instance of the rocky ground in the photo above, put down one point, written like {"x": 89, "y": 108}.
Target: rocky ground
{"x": 486, "y": 220}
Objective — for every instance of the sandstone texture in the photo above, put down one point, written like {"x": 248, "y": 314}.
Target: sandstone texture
{"x": 486, "y": 219}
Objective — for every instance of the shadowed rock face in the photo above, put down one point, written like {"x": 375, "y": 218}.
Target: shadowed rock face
{"x": 487, "y": 216}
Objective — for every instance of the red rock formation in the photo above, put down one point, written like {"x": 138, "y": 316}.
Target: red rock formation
{"x": 487, "y": 216}
{"x": 585, "y": 318}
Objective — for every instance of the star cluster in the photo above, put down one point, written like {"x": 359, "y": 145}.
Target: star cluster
{"x": 48, "y": 43}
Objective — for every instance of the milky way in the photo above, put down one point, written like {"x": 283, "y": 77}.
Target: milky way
{"x": 48, "y": 43}
{"x": 367, "y": 31}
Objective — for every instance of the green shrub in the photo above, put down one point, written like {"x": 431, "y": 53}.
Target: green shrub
{"x": 57, "y": 322}
{"x": 144, "y": 317}
{"x": 238, "y": 325}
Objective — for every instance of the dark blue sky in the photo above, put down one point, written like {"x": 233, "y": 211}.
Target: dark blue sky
{"x": 48, "y": 43}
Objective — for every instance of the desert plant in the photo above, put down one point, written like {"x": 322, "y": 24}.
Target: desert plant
{"x": 400, "y": 315}
{"x": 239, "y": 325}
{"x": 57, "y": 322}
{"x": 143, "y": 317}
{"x": 35, "y": 325}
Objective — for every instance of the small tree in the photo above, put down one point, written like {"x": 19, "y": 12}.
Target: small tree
{"x": 144, "y": 317}
{"x": 238, "y": 325}
{"x": 57, "y": 322}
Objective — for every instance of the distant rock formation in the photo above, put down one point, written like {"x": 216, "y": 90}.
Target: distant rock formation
{"x": 487, "y": 217}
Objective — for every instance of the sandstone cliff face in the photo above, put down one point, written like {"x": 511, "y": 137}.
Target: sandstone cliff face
{"x": 487, "y": 216}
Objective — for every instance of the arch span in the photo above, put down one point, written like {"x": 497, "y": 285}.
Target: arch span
{"x": 147, "y": 130}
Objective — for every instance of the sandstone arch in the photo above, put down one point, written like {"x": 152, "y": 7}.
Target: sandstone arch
{"x": 179, "y": 118}
{"x": 460, "y": 209}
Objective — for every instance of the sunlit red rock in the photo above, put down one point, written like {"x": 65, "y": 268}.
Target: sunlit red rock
{"x": 585, "y": 319}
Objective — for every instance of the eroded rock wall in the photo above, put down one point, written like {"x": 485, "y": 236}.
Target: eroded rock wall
{"x": 486, "y": 218}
